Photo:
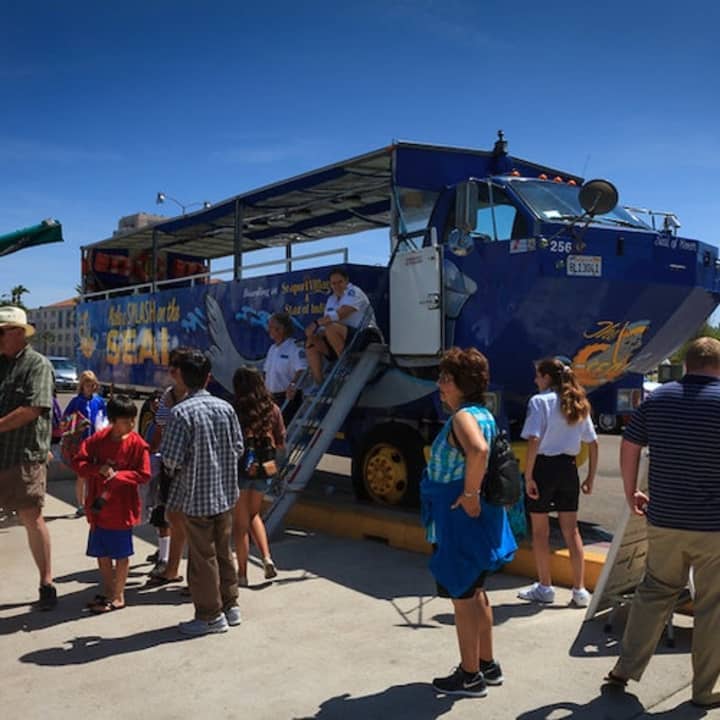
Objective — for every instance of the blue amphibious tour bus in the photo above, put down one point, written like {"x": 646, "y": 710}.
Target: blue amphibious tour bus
{"x": 518, "y": 259}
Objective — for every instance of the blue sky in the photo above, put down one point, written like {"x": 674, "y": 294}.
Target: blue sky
{"x": 104, "y": 104}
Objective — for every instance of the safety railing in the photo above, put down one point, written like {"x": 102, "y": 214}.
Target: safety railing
{"x": 202, "y": 278}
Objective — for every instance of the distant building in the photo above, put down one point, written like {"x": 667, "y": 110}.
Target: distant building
{"x": 55, "y": 332}
{"x": 137, "y": 221}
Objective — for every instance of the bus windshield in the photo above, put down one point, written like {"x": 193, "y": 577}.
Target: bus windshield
{"x": 553, "y": 201}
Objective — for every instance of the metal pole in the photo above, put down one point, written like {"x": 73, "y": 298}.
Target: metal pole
{"x": 395, "y": 216}
{"x": 237, "y": 241}
{"x": 288, "y": 257}
{"x": 154, "y": 260}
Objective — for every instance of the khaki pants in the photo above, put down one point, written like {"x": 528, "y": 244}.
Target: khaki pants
{"x": 670, "y": 555}
{"x": 212, "y": 576}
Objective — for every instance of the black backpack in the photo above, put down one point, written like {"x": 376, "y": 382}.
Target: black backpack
{"x": 503, "y": 483}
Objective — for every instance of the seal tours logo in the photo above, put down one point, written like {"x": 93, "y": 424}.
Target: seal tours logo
{"x": 614, "y": 346}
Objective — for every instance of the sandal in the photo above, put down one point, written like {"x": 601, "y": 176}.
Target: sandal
{"x": 612, "y": 679}
{"x": 97, "y": 600}
{"x": 158, "y": 581}
{"x": 106, "y": 607}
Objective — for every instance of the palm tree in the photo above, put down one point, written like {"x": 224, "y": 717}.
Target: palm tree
{"x": 78, "y": 294}
{"x": 17, "y": 292}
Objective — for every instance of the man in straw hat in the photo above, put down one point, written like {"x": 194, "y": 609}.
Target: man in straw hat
{"x": 26, "y": 384}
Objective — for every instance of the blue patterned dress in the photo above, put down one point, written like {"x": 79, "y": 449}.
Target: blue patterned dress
{"x": 466, "y": 547}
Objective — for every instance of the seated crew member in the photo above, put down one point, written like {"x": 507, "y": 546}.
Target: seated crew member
{"x": 344, "y": 312}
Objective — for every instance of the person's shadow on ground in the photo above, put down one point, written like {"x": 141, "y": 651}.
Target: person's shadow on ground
{"x": 90, "y": 648}
{"x": 72, "y": 606}
{"x": 613, "y": 702}
{"x": 596, "y": 638}
{"x": 414, "y": 701}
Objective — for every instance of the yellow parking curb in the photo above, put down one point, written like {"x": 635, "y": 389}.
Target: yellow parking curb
{"x": 404, "y": 531}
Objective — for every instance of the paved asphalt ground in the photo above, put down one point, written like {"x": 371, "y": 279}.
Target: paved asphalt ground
{"x": 350, "y": 629}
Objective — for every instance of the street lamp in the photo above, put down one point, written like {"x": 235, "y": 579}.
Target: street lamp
{"x": 161, "y": 197}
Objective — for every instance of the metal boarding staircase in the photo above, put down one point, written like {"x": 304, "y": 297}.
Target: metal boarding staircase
{"x": 320, "y": 416}
{"x": 316, "y": 422}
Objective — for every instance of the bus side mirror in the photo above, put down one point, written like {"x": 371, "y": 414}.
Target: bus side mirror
{"x": 466, "y": 205}
{"x": 598, "y": 197}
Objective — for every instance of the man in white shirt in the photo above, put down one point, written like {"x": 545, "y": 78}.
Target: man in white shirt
{"x": 344, "y": 313}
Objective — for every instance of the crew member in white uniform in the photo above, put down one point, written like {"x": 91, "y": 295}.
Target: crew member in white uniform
{"x": 344, "y": 313}
{"x": 285, "y": 362}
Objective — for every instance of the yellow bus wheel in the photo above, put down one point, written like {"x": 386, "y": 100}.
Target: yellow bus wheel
{"x": 388, "y": 465}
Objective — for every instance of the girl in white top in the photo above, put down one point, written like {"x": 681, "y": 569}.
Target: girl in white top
{"x": 558, "y": 421}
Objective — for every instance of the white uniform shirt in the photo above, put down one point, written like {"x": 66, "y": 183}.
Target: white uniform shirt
{"x": 354, "y": 297}
{"x": 546, "y": 421}
{"x": 282, "y": 362}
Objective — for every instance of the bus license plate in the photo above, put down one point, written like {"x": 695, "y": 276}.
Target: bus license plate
{"x": 584, "y": 265}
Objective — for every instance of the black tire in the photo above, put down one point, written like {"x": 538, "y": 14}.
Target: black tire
{"x": 608, "y": 423}
{"x": 388, "y": 464}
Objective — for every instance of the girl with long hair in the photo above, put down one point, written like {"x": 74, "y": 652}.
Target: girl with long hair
{"x": 90, "y": 408}
{"x": 263, "y": 434}
{"x": 557, "y": 422}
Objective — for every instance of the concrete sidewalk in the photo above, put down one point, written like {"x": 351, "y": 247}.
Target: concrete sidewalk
{"x": 350, "y": 629}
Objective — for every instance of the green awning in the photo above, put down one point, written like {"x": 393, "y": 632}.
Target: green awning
{"x": 48, "y": 231}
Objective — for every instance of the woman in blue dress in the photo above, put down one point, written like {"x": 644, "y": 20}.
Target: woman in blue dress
{"x": 471, "y": 537}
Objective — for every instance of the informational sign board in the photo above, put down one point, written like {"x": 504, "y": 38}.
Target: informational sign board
{"x": 625, "y": 563}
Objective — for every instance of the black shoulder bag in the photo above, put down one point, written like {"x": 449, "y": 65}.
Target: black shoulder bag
{"x": 503, "y": 484}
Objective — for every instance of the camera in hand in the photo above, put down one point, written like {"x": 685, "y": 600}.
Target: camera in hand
{"x": 98, "y": 504}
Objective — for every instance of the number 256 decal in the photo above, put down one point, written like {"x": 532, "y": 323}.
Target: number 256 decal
{"x": 560, "y": 246}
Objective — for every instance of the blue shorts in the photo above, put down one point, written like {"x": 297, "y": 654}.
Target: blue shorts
{"x": 260, "y": 484}
{"x": 114, "y": 544}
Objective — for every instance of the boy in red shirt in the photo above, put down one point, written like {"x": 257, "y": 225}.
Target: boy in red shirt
{"x": 113, "y": 461}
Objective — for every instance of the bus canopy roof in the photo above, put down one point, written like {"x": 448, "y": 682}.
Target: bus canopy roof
{"x": 341, "y": 199}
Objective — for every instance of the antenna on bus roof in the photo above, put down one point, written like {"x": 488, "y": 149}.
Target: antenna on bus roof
{"x": 585, "y": 166}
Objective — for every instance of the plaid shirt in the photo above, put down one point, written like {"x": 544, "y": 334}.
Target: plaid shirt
{"x": 26, "y": 381}
{"x": 201, "y": 446}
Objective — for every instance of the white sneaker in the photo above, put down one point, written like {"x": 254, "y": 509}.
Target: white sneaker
{"x": 232, "y": 615}
{"x": 581, "y": 597}
{"x": 204, "y": 627}
{"x": 537, "y": 593}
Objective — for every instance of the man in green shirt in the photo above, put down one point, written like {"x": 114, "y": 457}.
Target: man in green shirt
{"x": 26, "y": 383}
